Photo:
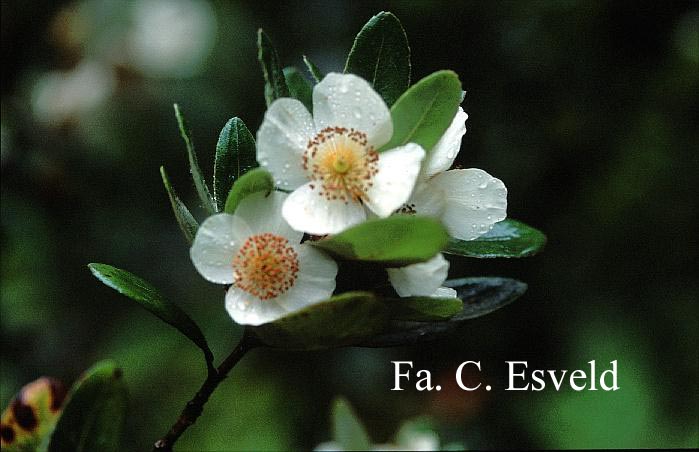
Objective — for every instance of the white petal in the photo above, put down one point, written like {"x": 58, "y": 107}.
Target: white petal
{"x": 346, "y": 100}
{"x": 397, "y": 172}
{"x": 442, "y": 155}
{"x": 247, "y": 309}
{"x": 315, "y": 281}
{"x": 427, "y": 199}
{"x": 421, "y": 279}
{"x": 444, "y": 292}
{"x": 306, "y": 210}
{"x": 217, "y": 240}
{"x": 475, "y": 201}
{"x": 282, "y": 139}
{"x": 264, "y": 214}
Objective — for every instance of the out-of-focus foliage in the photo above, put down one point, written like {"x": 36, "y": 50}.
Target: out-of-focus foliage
{"x": 585, "y": 109}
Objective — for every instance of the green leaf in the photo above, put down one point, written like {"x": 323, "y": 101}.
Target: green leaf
{"x": 149, "y": 298}
{"x": 480, "y": 296}
{"x": 341, "y": 320}
{"x": 381, "y": 55}
{"x": 424, "y": 112}
{"x": 299, "y": 87}
{"x": 253, "y": 181}
{"x": 394, "y": 241}
{"x": 235, "y": 155}
{"x": 184, "y": 218}
{"x": 313, "y": 69}
{"x": 31, "y": 415}
{"x": 508, "y": 238}
{"x": 94, "y": 414}
{"x": 348, "y": 431}
{"x": 197, "y": 176}
{"x": 271, "y": 69}
{"x": 423, "y": 309}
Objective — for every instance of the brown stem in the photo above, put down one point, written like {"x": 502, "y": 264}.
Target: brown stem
{"x": 194, "y": 407}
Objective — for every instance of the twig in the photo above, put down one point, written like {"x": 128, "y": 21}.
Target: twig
{"x": 194, "y": 407}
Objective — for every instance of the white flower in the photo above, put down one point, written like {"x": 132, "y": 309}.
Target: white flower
{"x": 271, "y": 273}
{"x": 330, "y": 159}
{"x": 468, "y": 201}
{"x": 423, "y": 279}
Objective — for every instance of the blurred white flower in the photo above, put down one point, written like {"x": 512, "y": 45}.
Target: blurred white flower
{"x": 330, "y": 159}
{"x": 270, "y": 272}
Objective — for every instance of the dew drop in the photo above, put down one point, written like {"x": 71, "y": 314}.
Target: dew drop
{"x": 264, "y": 163}
{"x": 344, "y": 89}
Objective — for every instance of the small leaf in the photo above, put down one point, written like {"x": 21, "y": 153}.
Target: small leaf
{"x": 149, "y": 298}
{"x": 339, "y": 321}
{"x": 271, "y": 69}
{"x": 299, "y": 87}
{"x": 394, "y": 241}
{"x": 348, "y": 431}
{"x": 381, "y": 55}
{"x": 94, "y": 413}
{"x": 31, "y": 415}
{"x": 235, "y": 155}
{"x": 313, "y": 69}
{"x": 508, "y": 238}
{"x": 197, "y": 176}
{"x": 424, "y": 112}
{"x": 251, "y": 182}
{"x": 184, "y": 218}
{"x": 423, "y": 309}
{"x": 480, "y": 296}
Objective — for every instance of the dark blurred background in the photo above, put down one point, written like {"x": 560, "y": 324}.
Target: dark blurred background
{"x": 588, "y": 110}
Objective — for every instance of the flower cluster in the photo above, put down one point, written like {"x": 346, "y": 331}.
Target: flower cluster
{"x": 337, "y": 175}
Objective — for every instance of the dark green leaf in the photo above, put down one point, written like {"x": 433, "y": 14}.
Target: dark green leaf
{"x": 149, "y": 298}
{"x": 184, "y": 218}
{"x": 339, "y": 321}
{"x": 313, "y": 70}
{"x": 197, "y": 176}
{"x": 271, "y": 69}
{"x": 508, "y": 238}
{"x": 253, "y": 181}
{"x": 381, "y": 55}
{"x": 424, "y": 112}
{"x": 423, "y": 309}
{"x": 94, "y": 414}
{"x": 235, "y": 155}
{"x": 394, "y": 241}
{"x": 299, "y": 87}
{"x": 348, "y": 431}
{"x": 480, "y": 296}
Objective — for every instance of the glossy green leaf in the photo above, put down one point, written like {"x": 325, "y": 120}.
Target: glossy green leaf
{"x": 31, "y": 415}
{"x": 94, "y": 413}
{"x": 341, "y": 320}
{"x": 508, "y": 238}
{"x": 394, "y": 241}
{"x": 348, "y": 431}
{"x": 235, "y": 155}
{"x": 184, "y": 218}
{"x": 480, "y": 296}
{"x": 197, "y": 176}
{"x": 253, "y": 181}
{"x": 313, "y": 69}
{"x": 275, "y": 83}
{"x": 299, "y": 87}
{"x": 149, "y": 298}
{"x": 424, "y": 112}
{"x": 423, "y": 309}
{"x": 381, "y": 55}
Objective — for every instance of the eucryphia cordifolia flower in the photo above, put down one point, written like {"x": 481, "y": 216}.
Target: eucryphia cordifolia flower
{"x": 270, "y": 271}
{"x": 331, "y": 161}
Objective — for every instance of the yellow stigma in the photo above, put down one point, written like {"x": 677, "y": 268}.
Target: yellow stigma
{"x": 342, "y": 162}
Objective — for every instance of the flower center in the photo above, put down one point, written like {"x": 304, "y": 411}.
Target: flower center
{"x": 266, "y": 266}
{"x": 342, "y": 162}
